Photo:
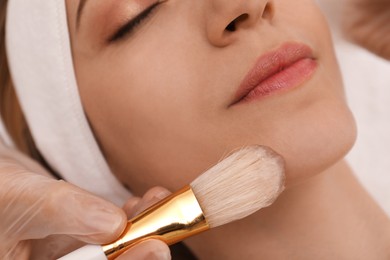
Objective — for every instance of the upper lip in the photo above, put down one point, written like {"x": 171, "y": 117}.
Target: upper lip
{"x": 270, "y": 64}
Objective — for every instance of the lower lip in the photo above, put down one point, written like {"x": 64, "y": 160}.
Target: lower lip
{"x": 289, "y": 78}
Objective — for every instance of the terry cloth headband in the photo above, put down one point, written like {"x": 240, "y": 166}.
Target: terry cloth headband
{"x": 40, "y": 61}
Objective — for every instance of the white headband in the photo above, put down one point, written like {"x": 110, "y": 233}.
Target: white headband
{"x": 40, "y": 60}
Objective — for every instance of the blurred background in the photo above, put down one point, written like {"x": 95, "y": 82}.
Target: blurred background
{"x": 367, "y": 83}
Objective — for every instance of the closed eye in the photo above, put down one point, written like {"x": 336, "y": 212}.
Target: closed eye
{"x": 132, "y": 25}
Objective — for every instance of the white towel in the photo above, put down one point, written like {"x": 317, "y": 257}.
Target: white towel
{"x": 40, "y": 59}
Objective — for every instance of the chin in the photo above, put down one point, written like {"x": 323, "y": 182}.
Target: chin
{"x": 313, "y": 148}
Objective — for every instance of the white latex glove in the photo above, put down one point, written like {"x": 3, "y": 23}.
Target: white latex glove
{"x": 43, "y": 218}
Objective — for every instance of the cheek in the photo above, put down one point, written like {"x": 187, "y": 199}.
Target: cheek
{"x": 145, "y": 115}
{"x": 315, "y": 139}
{"x": 311, "y": 128}
{"x": 321, "y": 130}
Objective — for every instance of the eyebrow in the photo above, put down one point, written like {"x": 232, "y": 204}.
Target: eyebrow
{"x": 80, "y": 11}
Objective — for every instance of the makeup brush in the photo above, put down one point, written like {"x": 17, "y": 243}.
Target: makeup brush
{"x": 246, "y": 181}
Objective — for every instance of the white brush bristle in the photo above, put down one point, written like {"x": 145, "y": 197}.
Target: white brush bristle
{"x": 246, "y": 181}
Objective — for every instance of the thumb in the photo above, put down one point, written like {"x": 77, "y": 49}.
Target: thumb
{"x": 34, "y": 206}
{"x": 84, "y": 216}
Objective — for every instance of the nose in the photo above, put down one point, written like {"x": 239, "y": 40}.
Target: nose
{"x": 226, "y": 18}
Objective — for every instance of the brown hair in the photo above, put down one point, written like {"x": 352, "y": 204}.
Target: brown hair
{"x": 10, "y": 110}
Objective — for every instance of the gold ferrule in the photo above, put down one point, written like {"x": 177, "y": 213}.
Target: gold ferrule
{"x": 171, "y": 220}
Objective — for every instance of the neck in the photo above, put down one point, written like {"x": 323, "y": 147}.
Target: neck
{"x": 329, "y": 216}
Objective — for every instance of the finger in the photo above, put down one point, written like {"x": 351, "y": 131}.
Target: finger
{"x": 151, "y": 197}
{"x": 19, "y": 251}
{"x": 147, "y": 250}
{"x": 33, "y": 206}
{"x": 87, "y": 217}
{"x": 14, "y": 155}
{"x": 53, "y": 247}
{"x": 128, "y": 208}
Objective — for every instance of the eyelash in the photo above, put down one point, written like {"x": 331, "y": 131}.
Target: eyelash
{"x": 132, "y": 25}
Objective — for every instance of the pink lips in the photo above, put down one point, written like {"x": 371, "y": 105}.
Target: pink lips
{"x": 287, "y": 67}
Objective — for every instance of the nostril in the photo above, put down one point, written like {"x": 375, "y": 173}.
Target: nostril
{"x": 233, "y": 25}
{"x": 268, "y": 12}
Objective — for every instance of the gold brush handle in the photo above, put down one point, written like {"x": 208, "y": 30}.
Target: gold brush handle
{"x": 171, "y": 220}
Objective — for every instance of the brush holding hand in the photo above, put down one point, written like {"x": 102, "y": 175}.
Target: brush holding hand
{"x": 243, "y": 183}
{"x": 40, "y": 217}
{"x": 367, "y": 22}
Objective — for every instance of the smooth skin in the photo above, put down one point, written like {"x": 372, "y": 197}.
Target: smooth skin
{"x": 159, "y": 100}
{"x": 160, "y": 103}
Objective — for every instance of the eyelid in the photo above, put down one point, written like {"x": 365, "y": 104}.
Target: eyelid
{"x": 133, "y": 23}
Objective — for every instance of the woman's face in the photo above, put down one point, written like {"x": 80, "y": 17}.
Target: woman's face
{"x": 162, "y": 96}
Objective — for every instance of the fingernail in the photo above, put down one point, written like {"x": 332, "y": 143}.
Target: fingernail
{"x": 159, "y": 250}
{"x": 105, "y": 220}
{"x": 162, "y": 195}
{"x": 99, "y": 215}
{"x": 163, "y": 255}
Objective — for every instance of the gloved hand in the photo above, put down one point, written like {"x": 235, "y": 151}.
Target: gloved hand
{"x": 43, "y": 218}
{"x": 367, "y": 23}
{"x": 150, "y": 249}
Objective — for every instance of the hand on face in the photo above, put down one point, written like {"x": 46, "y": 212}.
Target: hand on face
{"x": 42, "y": 218}
{"x": 367, "y": 23}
